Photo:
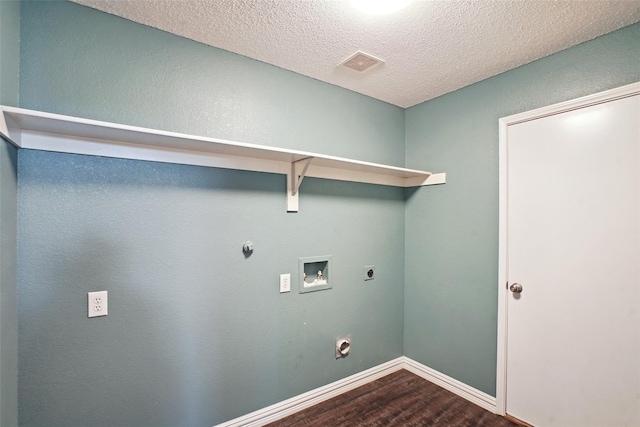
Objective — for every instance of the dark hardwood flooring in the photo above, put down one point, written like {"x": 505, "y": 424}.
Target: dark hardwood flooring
{"x": 398, "y": 399}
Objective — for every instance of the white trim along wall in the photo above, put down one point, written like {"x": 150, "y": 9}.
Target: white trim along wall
{"x": 288, "y": 407}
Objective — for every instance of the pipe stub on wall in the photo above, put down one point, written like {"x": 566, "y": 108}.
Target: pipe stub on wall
{"x": 247, "y": 247}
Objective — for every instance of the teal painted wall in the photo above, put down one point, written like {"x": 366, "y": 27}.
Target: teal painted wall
{"x": 9, "y": 66}
{"x": 452, "y": 230}
{"x": 196, "y": 333}
{"x": 8, "y": 286}
{"x": 9, "y": 51}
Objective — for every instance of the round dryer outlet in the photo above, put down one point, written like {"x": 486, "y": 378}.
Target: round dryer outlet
{"x": 369, "y": 272}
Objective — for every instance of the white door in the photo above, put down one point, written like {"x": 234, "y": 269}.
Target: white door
{"x": 573, "y": 243}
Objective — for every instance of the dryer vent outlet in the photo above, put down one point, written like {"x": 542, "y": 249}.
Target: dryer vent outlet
{"x": 343, "y": 347}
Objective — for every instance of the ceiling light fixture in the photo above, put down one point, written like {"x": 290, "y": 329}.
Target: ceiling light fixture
{"x": 380, "y": 7}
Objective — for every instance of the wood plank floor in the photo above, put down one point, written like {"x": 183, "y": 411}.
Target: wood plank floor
{"x": 399, "y": 399}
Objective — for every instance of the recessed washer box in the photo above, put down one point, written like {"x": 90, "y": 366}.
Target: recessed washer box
{"x": 314, "y": 273}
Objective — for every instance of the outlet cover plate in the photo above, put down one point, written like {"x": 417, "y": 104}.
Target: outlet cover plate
{"x": 285, "y": 283}
{"x": 369, "y": 272}
{"x": 97, "y": 304}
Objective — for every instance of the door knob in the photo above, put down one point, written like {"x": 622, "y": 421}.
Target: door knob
{"x": 516, "y": 288}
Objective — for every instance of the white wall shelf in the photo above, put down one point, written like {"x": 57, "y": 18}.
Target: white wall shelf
{"x": 53, "y": 132}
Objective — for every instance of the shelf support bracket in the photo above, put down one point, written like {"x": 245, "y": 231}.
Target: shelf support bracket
{"x": 9, "y": 131}
{"x": 297, "y": 182}
{"x": 294, "y": 179}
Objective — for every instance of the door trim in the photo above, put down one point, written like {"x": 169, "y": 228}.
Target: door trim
{"x": 504, "y": 123}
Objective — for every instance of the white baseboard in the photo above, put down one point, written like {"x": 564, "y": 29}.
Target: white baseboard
{"x": 298, "y": 403}
{"x": 463, "y": 390}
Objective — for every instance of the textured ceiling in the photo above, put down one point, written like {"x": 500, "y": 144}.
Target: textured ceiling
{"x": 429, "y": 48}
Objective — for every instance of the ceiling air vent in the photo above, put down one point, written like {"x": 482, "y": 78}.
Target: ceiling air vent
{"x": 361, "y": 62}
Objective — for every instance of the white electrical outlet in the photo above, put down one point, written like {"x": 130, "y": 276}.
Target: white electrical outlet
{"x": 97, "y": 304}
{"x": 285, "y": 283}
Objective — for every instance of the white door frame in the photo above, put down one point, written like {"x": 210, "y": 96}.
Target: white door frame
{"x": 504, "y": 123}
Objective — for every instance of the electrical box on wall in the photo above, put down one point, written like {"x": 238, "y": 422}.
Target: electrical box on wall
{"x": 97, "y": 304}
{"x": 314, "y": 273}
{"x": 369, "y": 272}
